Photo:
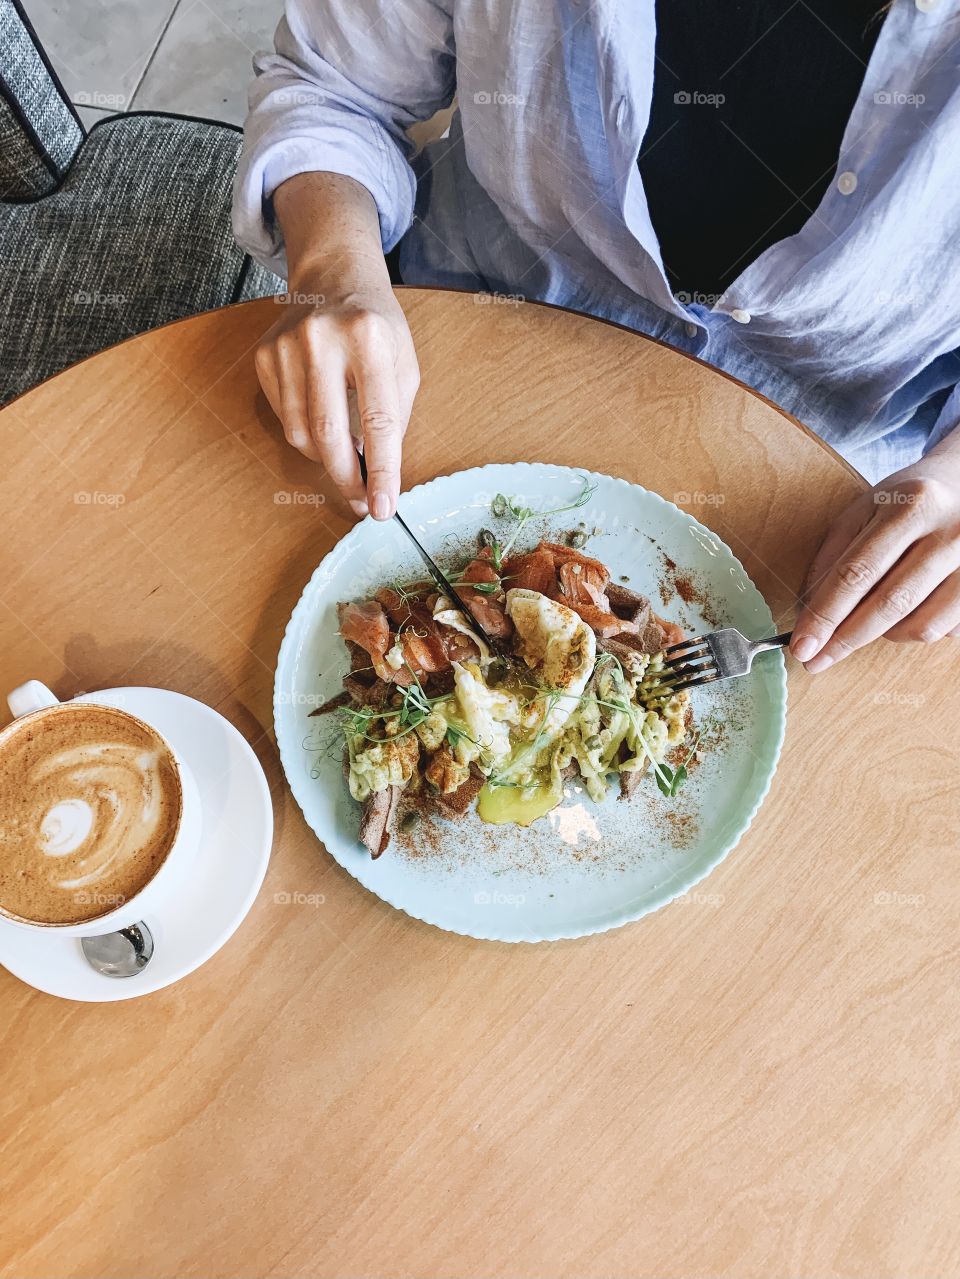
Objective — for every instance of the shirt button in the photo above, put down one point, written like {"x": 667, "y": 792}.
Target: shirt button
{"x": 847, "y": 183}
{"x": 692, "y": 330}
{"x": 926, "y": 5}
{"x": 741, "y": 317}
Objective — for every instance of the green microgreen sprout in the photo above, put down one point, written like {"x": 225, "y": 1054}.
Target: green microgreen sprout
{"x": 456, "y": 735}
{"x": 503, "y": 506}
{"x": 676, "y": 777}
{"x": 414, "y": 708}
{"x": 484, "y": 588}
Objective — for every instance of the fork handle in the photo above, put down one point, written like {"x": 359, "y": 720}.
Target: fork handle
{"x": 775, "y": 641}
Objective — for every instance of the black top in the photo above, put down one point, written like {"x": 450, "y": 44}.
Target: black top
{"x": 726, "y": 179}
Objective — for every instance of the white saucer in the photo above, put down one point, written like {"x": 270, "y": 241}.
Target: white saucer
{"x": 234, "y": 851}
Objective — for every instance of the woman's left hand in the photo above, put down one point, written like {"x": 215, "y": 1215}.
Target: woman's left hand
{"x": 889, "y": 565}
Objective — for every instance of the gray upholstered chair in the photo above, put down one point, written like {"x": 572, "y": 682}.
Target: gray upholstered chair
{"x": 107, "y": 233}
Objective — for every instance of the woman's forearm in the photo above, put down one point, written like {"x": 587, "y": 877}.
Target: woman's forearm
{"x": 341, "y": 333}
{"x": 330, "y": 229}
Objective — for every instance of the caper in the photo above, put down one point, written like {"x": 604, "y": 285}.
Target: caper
{"x": 409, "y": 822}
{"x": 577, "y": 538}
{"x": 486, "y": 538}
{"x": 499, "y": 505}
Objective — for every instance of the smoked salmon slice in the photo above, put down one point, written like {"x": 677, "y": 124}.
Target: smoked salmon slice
{"x": 428, "y": 646}
{"x": 487, "y": 610}
{"x": 366, "y": 625}
{"x": 535, "y": 571}
{"x": 580, "y": 583}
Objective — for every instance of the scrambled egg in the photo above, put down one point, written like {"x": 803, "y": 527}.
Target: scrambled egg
{"x": 377, "y": 765}
{"x": 611, "y": 732}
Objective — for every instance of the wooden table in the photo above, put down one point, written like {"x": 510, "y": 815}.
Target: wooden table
{"x": 758, "y": 1081}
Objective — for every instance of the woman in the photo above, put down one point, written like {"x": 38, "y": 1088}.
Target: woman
{"x": 775, "y": 190}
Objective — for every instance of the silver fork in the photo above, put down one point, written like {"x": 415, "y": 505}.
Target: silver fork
{"x": 724, "y": 654}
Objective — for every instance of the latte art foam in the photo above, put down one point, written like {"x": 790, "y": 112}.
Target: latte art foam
{"x": 65, "y": 827}
{"x": 89, "y": 808}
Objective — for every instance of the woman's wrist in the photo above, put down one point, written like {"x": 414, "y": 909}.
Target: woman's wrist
{"x": 339, "y": 272}
{"x": 331, "y": 230}
{"x": 943, "y": 459}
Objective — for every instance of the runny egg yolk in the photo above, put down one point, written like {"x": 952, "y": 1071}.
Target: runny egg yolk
{"x": 522, "y": 806}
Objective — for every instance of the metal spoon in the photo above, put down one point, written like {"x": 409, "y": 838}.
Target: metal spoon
{"x": 121, "y": 954}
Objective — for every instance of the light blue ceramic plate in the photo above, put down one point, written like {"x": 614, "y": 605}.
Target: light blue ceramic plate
{"x": 585, "y": 867}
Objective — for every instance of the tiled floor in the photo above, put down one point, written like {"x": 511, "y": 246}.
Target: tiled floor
{"x": 191, "y": 56}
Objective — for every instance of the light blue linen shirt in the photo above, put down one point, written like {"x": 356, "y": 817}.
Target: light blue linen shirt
{"x": 852, "y": 324}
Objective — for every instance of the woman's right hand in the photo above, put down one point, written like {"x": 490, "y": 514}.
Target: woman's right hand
{"x": 341, "y": 332}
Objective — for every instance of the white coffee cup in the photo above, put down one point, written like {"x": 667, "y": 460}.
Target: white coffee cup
{"x": 33, "y": 698}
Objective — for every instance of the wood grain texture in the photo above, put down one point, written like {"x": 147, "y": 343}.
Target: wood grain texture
{"x": 759, "y": 1080}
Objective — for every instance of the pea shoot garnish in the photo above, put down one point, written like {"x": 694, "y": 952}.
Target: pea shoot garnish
{"x": 503, "y": 507}
{"x": 673, "y": 779}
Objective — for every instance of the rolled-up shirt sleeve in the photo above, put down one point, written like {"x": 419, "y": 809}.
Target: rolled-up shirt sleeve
{"x": 346, "y": 80}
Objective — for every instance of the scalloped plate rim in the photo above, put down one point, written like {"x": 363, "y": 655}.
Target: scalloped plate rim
{"x": 325, "y": 569}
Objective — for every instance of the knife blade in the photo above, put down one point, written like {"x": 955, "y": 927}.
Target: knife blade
{"x": 437, "y": 573}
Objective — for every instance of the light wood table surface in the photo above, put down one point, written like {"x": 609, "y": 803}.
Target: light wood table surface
{"x": 761, "y": 1080}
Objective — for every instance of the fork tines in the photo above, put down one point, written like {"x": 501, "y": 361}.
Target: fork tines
{"x": 688, "y": 665}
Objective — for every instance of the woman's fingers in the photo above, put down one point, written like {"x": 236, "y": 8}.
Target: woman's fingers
{"x": 938, "y": 615}
{"x": 293, "y": 413}
{"x": 839, "y": 536}
{"x": 310, "y": 361}
{"x": 856, "y": 569}
{"x": 893, "y": 602}
{"x": 329, "y": 412}
{"x": 382, "y": 421}
{"x": 266, "y": 365}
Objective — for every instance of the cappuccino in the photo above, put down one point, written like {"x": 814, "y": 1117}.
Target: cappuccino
{"x": 90, "y": 805}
